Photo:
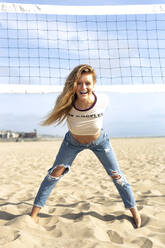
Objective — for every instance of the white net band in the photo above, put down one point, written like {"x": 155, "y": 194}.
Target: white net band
{"x": 82, "y": 10}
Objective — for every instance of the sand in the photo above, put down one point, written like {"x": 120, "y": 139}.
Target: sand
{"x": 84, "y": 209}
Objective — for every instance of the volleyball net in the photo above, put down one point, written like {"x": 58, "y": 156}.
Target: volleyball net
{"x": 41, "y": 44}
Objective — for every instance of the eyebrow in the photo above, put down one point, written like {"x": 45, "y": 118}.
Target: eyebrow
{"x": 84, "y": 82}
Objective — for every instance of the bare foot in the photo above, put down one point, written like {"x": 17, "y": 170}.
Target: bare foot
{"x": 36, "y": 219}
{"x": 34, "y": 213}
{"x": 136, "y": 217}
{"x": 137, "y": 220}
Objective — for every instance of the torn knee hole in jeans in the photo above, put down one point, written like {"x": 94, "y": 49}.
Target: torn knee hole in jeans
{"x": 117, "y": 177}
{"x": 59, "y": 170}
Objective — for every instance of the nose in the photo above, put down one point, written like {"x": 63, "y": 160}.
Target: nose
{"x": 83, "y": 86}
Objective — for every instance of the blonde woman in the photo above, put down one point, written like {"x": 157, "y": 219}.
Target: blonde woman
{"x": 83, "y": 111}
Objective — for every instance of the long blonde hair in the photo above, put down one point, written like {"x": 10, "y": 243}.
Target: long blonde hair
{"x": 65, "y": 100}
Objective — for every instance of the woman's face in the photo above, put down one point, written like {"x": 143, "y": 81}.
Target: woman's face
{"x": 85, "y": 86}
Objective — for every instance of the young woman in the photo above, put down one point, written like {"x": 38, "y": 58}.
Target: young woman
{"x": 83, "y": 111}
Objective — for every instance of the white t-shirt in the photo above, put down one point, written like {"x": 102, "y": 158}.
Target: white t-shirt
{"x": 88, "y": 121}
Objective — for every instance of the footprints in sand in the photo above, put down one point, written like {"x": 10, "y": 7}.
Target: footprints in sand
{"x": 16, "y": 235}
{"x": 142, "y": 242}
{"x": 23, "y": 222}
{"x": 145, "y": 220}
{"x": 115, "y": 237}
{"x": 78, "y": 220}
{"x": 84, "y": 210}
{"x": 6, "y": 235}
{"x": 85, "y": 224}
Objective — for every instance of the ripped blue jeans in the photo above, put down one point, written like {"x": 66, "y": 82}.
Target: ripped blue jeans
{"x": 104, "y": 152}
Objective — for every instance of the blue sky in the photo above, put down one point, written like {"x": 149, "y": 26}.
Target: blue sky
{"x": 127, "y": 115}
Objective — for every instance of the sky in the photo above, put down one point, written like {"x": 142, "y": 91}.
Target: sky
{"x": 133, "y": 114}
{"x": 128, "y": 115}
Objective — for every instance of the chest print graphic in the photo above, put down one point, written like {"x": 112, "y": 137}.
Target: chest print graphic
{"x": 87, "y": 116}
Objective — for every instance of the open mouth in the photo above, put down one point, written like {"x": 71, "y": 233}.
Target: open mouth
{"x": 83, "y": 92}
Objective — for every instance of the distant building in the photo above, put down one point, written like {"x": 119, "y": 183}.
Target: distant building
{"x": 8, "y": 134}
{"x": 31, "y": 135}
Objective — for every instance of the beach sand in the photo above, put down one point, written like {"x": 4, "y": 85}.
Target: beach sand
{"x": 84, "y": 209}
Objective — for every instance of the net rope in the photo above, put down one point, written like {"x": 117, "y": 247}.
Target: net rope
{"x": 41, "y": 44}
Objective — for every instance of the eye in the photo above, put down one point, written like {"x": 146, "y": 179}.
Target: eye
{"x": 78, "y": 83}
